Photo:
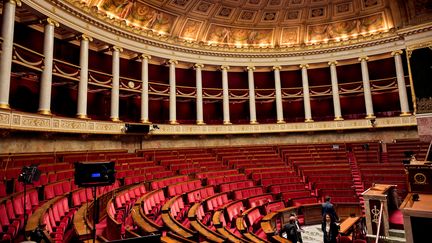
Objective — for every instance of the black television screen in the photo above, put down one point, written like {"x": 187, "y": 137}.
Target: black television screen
{"x": 89, "y": 174}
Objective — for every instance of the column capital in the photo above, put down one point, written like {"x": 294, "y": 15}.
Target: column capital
{"x": 144, "y": 56}
{"x": 50, "y": 21}
{"x": 198, "y": 66}
{"x": 16, "y": 2}
{"x": 277, "y": 68}
{"x": 116, "y": 48}
{"x": 84, "y": 37}
{"x": 172, "y": 61}
{"x": 304, "y": 66}
{"x": 250, "y": 68}
{"x": 396, "y": 53}
{"x": 224, "y": 67}
{"x": 363, "y": 59}
{"x": 332, "y": 63}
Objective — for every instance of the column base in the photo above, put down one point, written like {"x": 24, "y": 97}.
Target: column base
{"x": 115, "y": 119}
{"x": 5, "y": 107}
{"x": 227, "y": 123}
{"x": 253, "y": 122}
{"x": 173, "y": 122}
{"x": 370, "y": 116}
{"x": 405, "y": 114}
{"x": 145, "y": 121}
{"x": 309, "y": 120}
{"x": 83, "y": 117}
{"x": 338, "y": 118}
{"x": 200, "y": 122}
{"x": 281, "y": 122}
{"x": 45, "y": 112}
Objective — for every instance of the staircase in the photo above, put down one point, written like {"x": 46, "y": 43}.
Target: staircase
{"x": 358, "y": 184}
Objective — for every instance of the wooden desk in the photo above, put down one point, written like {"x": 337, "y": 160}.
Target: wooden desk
{"x": 81, "y": 229}
{"x": 345, "y": 226}
{"x": 36, "y": 218}
{"x": 415, "y": 212}
{"x": 203, "y": 230}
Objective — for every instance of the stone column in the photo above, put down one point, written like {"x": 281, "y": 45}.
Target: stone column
{"x": 335, "y": 91}
{"x": 306, "y": 95}
{"x": 366, "y": 87}
{"x": 46, "y": 79}
{"x": 225, "y": 95}
{"x": 403, "y": 99}
{"x": 7, "y": 49}
{"x": 199, "y": 94}
{"x": 278, "y": 95}
{"x": 172, "y": 92}
{"x": 83, "y": 83}
{"x": 252, "y": 109}
{"x": 145, "y": 88}
{"x": 115, "y": 90}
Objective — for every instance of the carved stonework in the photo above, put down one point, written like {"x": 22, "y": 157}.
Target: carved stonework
{"x": 424, "y": 105}
{"x": 4, "y": 118}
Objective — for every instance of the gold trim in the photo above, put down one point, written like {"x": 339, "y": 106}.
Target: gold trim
{"x": 332, "y": 63}
{"x": 338, "y": 118}
{"x": 115, "y": 119}
{"x": 370, "y": 116}
{"x": 200, "y": 122}
{"x": 172, "y": 61}
{"x": 198, "y": 65}
{"x": 227, "y": 123}
{"x": 309, "y": 120}
{"x": 45, "y": 112}
{"x": 405, "y": 114}
{"x": 50, "y": 21}
{"x": 16, "y": 2}
{"x": 5, "y": 106}
{"x": 224, "y": 67}
{"x": 173, "y": 122}
{"x": 281, "y": 122}
{"x": 250, "y": 68}
{"x": 365, "y": 58}
{"x": 397, "y": 52}
{"x": 413, "y": 95}
{"x": 304, "y": 66}
{"x": 253, "y": 122}
{"x": 145, "y": 121}
{"x": 277, "y": 68}
{"x": 83, "y": 116}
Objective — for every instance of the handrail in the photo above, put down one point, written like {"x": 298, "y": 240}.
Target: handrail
{"x": 379, "y": 222}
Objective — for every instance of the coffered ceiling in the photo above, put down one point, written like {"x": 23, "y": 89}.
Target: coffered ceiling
{"x": 253, "y": 22}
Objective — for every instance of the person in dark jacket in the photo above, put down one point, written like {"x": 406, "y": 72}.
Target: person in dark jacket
{"x": 289, "y": 231}
{"x": 330, "y": 229}
{"x": 327, "y": 207}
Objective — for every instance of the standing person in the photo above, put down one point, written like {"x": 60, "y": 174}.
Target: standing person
{"x": 298, "y": 229}
{"x": 289, "y": 230}
{"x": 330, "y": 229}
{"x": 327, "y": 207}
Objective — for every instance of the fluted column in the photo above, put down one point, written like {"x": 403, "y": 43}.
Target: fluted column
{"x": 225, "y": 95}
{"x": 7, "y": 34}
{"x": 83, "y": 83}
{"x": 306, "y": 95}
{"x": 335, "y": 91}
{"x": 366, "y": 87}
{"x": 278, "y": 94}
{"x": 199, "y": 94}
{"x": 403, "y": 98}
{"x": 46, "y": 79}
{"x": 251, "y": 83}
{"x": 172, "y": 92}
{"x": 115, "y": 90}
{"x": 145, "y": 88}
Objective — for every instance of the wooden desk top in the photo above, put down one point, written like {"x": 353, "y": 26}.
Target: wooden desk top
{"x": 377, "y": 190}
{"x": 423, "y": 206}
{"x": 347, "y": 224}
{"x": 80, "y": 225}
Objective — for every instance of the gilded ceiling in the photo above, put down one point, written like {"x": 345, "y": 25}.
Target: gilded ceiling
{"x": 253, "y": 23}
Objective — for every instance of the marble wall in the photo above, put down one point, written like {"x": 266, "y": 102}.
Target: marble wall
{"x": 26, "y": 142}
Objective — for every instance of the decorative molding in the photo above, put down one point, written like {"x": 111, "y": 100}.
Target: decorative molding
{"x": 14, "y": 120}
{"x": 397, "y": 52}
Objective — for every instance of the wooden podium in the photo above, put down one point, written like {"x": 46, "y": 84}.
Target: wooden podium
{"x": 376, "y": 198}
{"x": 417, "y": 206}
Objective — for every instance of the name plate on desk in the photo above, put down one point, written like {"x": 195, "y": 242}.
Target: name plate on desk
{"x": 420, "y": 178}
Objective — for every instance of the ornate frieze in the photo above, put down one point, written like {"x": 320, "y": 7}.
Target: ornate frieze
{"x": 36, "y": 122}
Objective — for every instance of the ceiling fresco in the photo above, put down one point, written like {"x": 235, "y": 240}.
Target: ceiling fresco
{"x": 252, "y": 23}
